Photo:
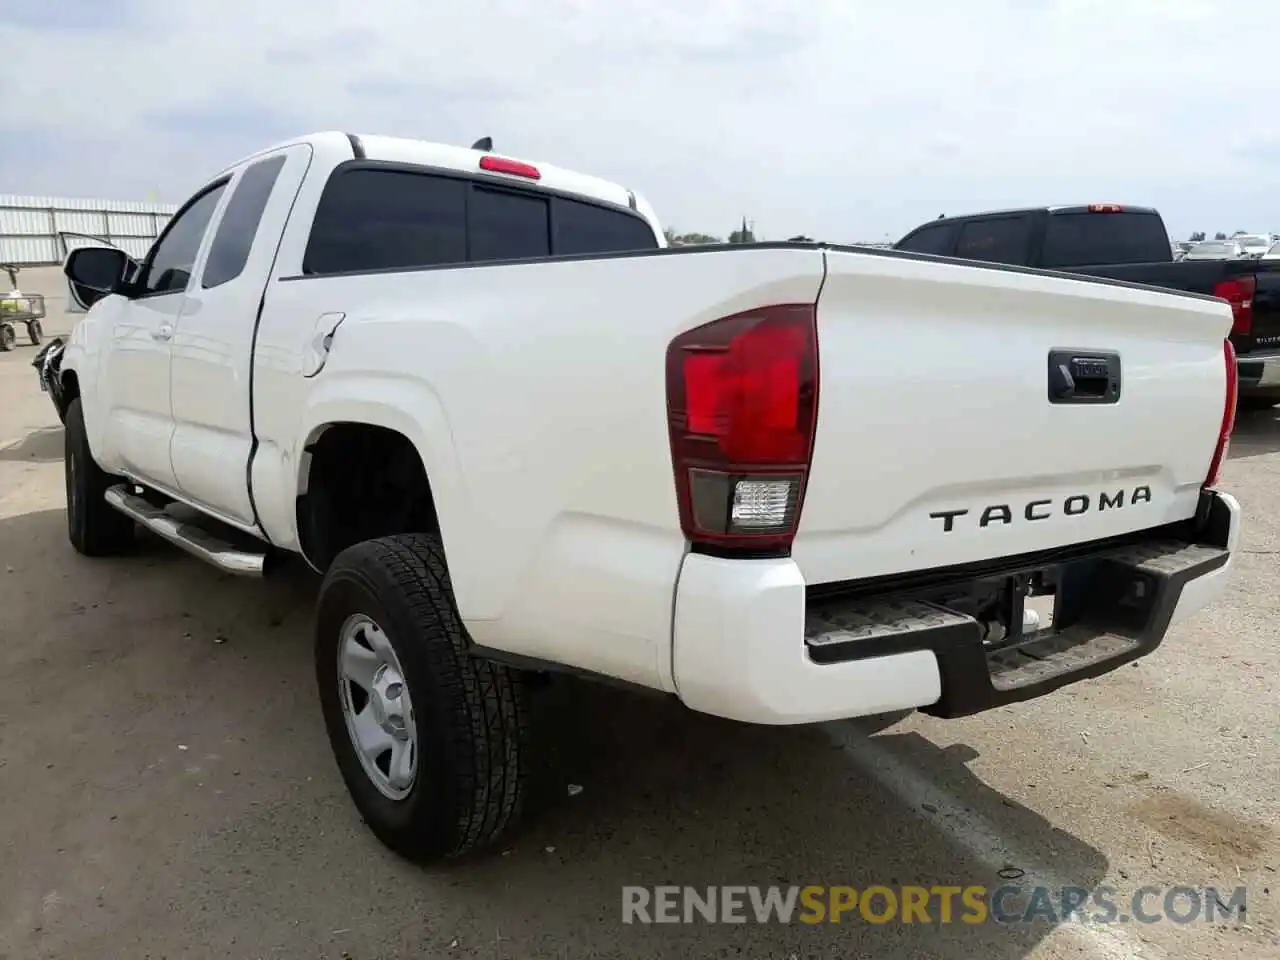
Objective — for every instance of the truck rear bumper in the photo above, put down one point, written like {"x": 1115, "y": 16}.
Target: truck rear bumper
{"x": 749, "y": 644}
{"x": 1259, "y": 373}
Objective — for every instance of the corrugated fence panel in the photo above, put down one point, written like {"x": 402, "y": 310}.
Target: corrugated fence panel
{"x": 131, "y": 225}
{"x": 23, "y": 250}
{"x": 28, "y": 225}
{"x": 66, "y": 203}
{"x": 135, "y": 247}
{"x": 75, "y": 243}
{"x": 81, "y": 221}
{"x": 17, "y": 222}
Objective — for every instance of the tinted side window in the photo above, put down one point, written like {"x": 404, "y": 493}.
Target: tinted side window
{"x": 382, "y": 219}
{"x": 174, "y": 256}
{"x": 502, "y": 225}
{"x": 1074, "y": 239}
{"x": 234, "y": 239}
{"x": 930, "y": 240}
{"x": 587, "y": 228}
{"x": 996, "y": 240}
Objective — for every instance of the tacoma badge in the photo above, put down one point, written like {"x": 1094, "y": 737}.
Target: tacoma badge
{"x": 1071, "y": 506}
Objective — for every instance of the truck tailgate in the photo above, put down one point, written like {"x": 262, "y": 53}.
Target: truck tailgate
{"x": 937, "y": 443}
{"x": 1265, "y": 329}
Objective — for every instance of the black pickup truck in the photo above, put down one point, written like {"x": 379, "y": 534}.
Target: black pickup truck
{"x": 1131, "y": 244}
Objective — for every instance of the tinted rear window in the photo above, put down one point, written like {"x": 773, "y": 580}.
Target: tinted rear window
{"x": 373, "y": 219}
{"x": 936, "y": 239}
{"x": 379, "y": 219}
{"x": 506, "y": 225}
{"x": 996, "y": 239}
{"x": 1076, "y": 239}
{"x": 587, "y": 228}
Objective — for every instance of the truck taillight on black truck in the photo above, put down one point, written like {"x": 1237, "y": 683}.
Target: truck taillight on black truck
{"x": 1239, "y": 292}
{"x": 742, "y": 407}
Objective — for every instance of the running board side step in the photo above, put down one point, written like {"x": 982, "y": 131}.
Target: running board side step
{"x": 198, "y": 542}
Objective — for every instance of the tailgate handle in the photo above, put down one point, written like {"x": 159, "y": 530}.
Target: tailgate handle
{"x": 1084, "y": 376}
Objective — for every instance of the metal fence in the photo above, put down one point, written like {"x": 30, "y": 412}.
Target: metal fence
{"x": 29, "y": 226}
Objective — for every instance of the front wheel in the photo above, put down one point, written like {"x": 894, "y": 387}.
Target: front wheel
{"x": 35, "y": 332}
{"x": 8, "y": 337}
{"x": 94, "y": 527}
{"x": 431, "y": 742}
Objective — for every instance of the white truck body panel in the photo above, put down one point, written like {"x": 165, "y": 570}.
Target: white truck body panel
{"x": 534, "y": 394}
{"x": 212, "y": 361}
{"x": 558, "y": 521}
{"x": 933, "y": 398}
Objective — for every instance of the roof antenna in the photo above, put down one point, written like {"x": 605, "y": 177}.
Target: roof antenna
{"x": 484, "y": 143}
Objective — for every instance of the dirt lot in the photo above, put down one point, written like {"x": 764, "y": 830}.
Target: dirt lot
{"x": 166, "y": 789}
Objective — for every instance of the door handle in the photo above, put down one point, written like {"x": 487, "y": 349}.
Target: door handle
{"x": 162, "y": 333}
{"x": 1079, "y": 376}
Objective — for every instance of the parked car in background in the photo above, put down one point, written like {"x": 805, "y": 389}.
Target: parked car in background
{"x": 1131, "y": 244}
{"x": 1216, "y": 250}
{"x": 1252, "y": 244}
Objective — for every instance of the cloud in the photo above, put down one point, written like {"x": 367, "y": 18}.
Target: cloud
{"x": 72, "y": 15}
{"x": 842, "y": 119}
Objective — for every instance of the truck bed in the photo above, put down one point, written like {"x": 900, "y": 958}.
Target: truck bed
{"x": 1205, "y": 276}
{"x": 933, "y": 402}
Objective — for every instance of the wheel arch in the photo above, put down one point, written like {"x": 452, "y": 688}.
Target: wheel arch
{"x": 393, "y": 441}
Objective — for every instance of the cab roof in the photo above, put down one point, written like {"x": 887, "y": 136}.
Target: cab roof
{"x": 473, "y": 161}
{"x": 466, "y": 160}
{"x": 1055, "y": 209}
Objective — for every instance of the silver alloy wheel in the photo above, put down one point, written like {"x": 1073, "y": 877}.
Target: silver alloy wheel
{"x": 377, "y": 707}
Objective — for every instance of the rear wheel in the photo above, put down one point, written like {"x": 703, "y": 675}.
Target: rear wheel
{"x": 94, "y": 528}
{"x": 8, "y": 337}
{"x": 430, "y": 741}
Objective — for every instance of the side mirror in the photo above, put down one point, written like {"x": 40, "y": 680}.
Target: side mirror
{"x": 95, "y": 272}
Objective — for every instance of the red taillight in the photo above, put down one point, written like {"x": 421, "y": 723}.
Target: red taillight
{"x": 513, "y": 167}
{"x": 1228, "y": 415}
{"x": 1239, "y": 292}
{"x": 742, "y": 407}
{"x": 1105, "y": 208}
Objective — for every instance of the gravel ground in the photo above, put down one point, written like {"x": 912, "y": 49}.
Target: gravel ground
{"x": 166, "y": 789}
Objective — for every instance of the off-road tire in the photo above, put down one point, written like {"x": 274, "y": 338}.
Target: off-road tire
{"x": 8, "y": 337}
{"x": 35, "y": 332}
{"x": 471, "y": 715}
{"x": 94, "y": 527}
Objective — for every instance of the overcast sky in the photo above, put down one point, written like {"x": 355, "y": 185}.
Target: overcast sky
{"x": 843, "y": 119}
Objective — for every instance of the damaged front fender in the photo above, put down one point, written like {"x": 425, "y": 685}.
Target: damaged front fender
{"x": 48, "y": 366}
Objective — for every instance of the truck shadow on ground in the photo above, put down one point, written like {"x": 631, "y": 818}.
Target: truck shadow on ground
{"x": 1256, "y": 432}
{"x": 39, "y": 446}
{"x": 185, "y": 783}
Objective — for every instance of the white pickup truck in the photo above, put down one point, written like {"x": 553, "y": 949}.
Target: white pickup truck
{"x": 783, "y": 482}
